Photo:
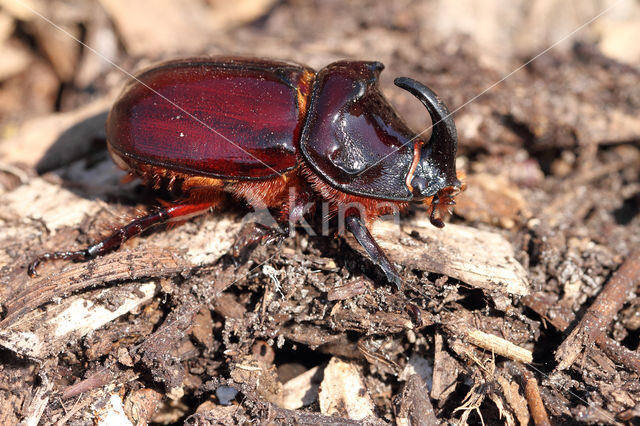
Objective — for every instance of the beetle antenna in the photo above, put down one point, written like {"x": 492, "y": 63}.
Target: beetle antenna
{"x": 444, "y": 137}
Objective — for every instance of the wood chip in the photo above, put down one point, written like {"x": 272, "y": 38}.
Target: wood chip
{"x": 414, "y": 406}
{"x": 60, "y": 208}
{"x": 302, "y": 390}
{"x": 343, "y": 392}
{"x": 446, "y": 370}
{"x": 46, "y": 332}
{"x": 481, "y": 259}
{"x": 142, "y": 404}
{"x": 420, "y": 366}
{"x": 112, "y": 413}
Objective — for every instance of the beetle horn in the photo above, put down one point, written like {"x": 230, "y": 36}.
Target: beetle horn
{"x": 444, "y": 138}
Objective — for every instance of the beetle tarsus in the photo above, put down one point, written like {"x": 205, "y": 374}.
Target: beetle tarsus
{"x": 59, "y": 255}
{"x": 363, "y": 236}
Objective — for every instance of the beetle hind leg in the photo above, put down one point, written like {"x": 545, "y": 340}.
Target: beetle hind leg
{"x": 173, "y": 213}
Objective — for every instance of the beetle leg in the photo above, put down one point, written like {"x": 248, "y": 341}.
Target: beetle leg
{"x": 256, "y": 233}
{"x": 363, "y": 236}
{"x": 112, "y": 242}
{"x": 292, "y": 213}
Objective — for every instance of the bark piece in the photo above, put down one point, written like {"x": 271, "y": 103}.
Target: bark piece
{"x": 42, "y": 333}
{"x": 117, "y": 267}
{"x": 414, "y": 406}
{"x": 203, "y": 328}
{"x": 560, "y": 318}
{"x": 481, "y": 259}
{"x": 445, "y": 372}
{"x": 518, "y": 403}
{"x": 359, "y": 319}
{"x": 348, "y": 290}
{"x": 162, "y": 353}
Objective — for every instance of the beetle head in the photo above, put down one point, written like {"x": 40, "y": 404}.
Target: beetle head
{"x": 434, "y": 179}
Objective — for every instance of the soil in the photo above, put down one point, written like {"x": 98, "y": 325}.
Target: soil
{"x": 522, "y": 310}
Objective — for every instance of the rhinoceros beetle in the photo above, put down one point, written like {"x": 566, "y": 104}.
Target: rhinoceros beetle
{"x": 257, "y": 128}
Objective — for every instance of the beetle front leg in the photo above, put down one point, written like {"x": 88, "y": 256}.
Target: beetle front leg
{"x": 116, "y": 239}
{"x": 376, "y": 254}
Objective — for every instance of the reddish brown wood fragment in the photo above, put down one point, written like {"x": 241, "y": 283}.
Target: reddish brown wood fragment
{"x": 538, "y": 412}
{"x": 600, "y": 314}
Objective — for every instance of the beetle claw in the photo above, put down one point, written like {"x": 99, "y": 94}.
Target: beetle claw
{"x": 58, "y": 255}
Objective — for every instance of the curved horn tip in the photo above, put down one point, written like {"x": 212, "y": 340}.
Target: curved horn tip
{"x": 444, "y": 137}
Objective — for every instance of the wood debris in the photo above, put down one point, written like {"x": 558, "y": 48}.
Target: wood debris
{"x": 343, "y": 392}
{"x": 479, "y": 258}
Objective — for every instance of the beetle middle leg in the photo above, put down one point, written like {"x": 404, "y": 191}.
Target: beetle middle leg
{"x": 292, "y": 212}
{"x": 174, "y": 213}
{"x": 256, "y": 233}
{"x": 356, "y": 226}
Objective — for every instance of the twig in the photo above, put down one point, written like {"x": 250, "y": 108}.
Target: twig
{"x": 536, "y": 407}
{"x": 96, "y": 380}
{"x": 77, "y": 406}
{"x": 619, "y": 354}
{"x": 498, "y": 345}
{"x": 600, "y": 314}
